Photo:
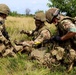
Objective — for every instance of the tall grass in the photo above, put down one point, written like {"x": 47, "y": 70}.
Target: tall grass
{"x": 15, "y": 24}
{"x": 22, "y": 65}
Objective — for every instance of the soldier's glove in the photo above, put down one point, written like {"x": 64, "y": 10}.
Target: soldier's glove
{"x": 56, "y": 38}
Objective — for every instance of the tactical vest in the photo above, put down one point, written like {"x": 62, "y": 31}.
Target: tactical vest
{"x": 61, "y": 31}
{"x": 36, "y": 33}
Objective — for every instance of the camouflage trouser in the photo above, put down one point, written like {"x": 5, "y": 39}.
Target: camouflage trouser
{"x": 2, "y": 48}
{"x": 55, "y": 57}
{"x": 24, "y": 46}
{"x": 4, "y": 51}
{"x": 18, "y": 48}
{"x": 23, "y": 49}
{"x": 61, "y": 53}
{"x": 38, "y": 55}
{"x": 44, "y": 58}
{"x": 70, "y": 56}
{"x": 9, "y": 52}
{"x": 69, "y": 59}
{"x": 58, "y": 53}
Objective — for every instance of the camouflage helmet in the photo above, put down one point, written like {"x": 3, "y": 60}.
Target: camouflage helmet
{"x": 40, "y": 16}
{"x": 51, "y": 13}
{"x": 4, "y": 9}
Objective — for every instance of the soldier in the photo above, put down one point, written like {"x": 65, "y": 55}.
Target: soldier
{"x": 66, "y": 34}
{"x": 40, "y": 34}
{"x": 5, "y": 47}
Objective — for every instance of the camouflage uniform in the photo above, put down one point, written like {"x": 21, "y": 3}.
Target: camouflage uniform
{"x": 5, "y": 44}
{"x": 39, "y": 38}
{"x": 40, "y": 35}
{"x": 64, "y": 26}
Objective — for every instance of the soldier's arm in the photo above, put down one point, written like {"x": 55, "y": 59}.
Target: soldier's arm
{"x": 68, "y": 35}
{"x": 71, "y": 28}
{"x": 44, "y": 35}
{"x": 29, "y": 33}
{"x": 5, "y": 34}
{"x": 2, "y": 38}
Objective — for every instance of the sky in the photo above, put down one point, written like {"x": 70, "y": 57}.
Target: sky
{"x": 21, "y": 5}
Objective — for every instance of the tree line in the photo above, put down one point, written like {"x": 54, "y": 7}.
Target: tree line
{"x": 66, "y": 6}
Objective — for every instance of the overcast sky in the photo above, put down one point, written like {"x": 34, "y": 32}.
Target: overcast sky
{"x": 21, "y": 5}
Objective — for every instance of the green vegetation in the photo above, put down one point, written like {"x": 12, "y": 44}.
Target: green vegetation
{"x": 22, "y": 65}
{"x": 16, "y": 14}
{"x": 68, "y": 6}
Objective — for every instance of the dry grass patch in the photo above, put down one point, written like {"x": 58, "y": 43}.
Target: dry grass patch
{"x": 15, "y": 24}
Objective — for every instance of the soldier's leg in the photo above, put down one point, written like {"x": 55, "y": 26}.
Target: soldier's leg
{"x": 58, "y": 52}
{"x": 38, "y": 55}
{"x": 18, "y": 42}
{"x": 70, "y": 67}
{"x": 72, "y": 55}
{"x": 27, "y": 49}
{"x": 2, "y": 49}
{"x": 9, "y": 52}
{"x": 18, "y": 48}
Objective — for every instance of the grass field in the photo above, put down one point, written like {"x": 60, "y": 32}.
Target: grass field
{"x": 15, "y": 24}
{"x": 22, "y": 65}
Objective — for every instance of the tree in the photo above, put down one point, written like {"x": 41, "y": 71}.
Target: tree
{"x": 14, "y": 13}
{"x": 27, "y": 11}
{"x": 68, "y": 6}
{"x": 39, "y": 11}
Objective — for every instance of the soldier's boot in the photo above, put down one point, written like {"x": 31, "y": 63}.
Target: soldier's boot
{"x": 70, "y": 67}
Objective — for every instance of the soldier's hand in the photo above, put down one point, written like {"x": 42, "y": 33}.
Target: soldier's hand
{"x": 56, "y": 38}
{"x": 22, "y": 31}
